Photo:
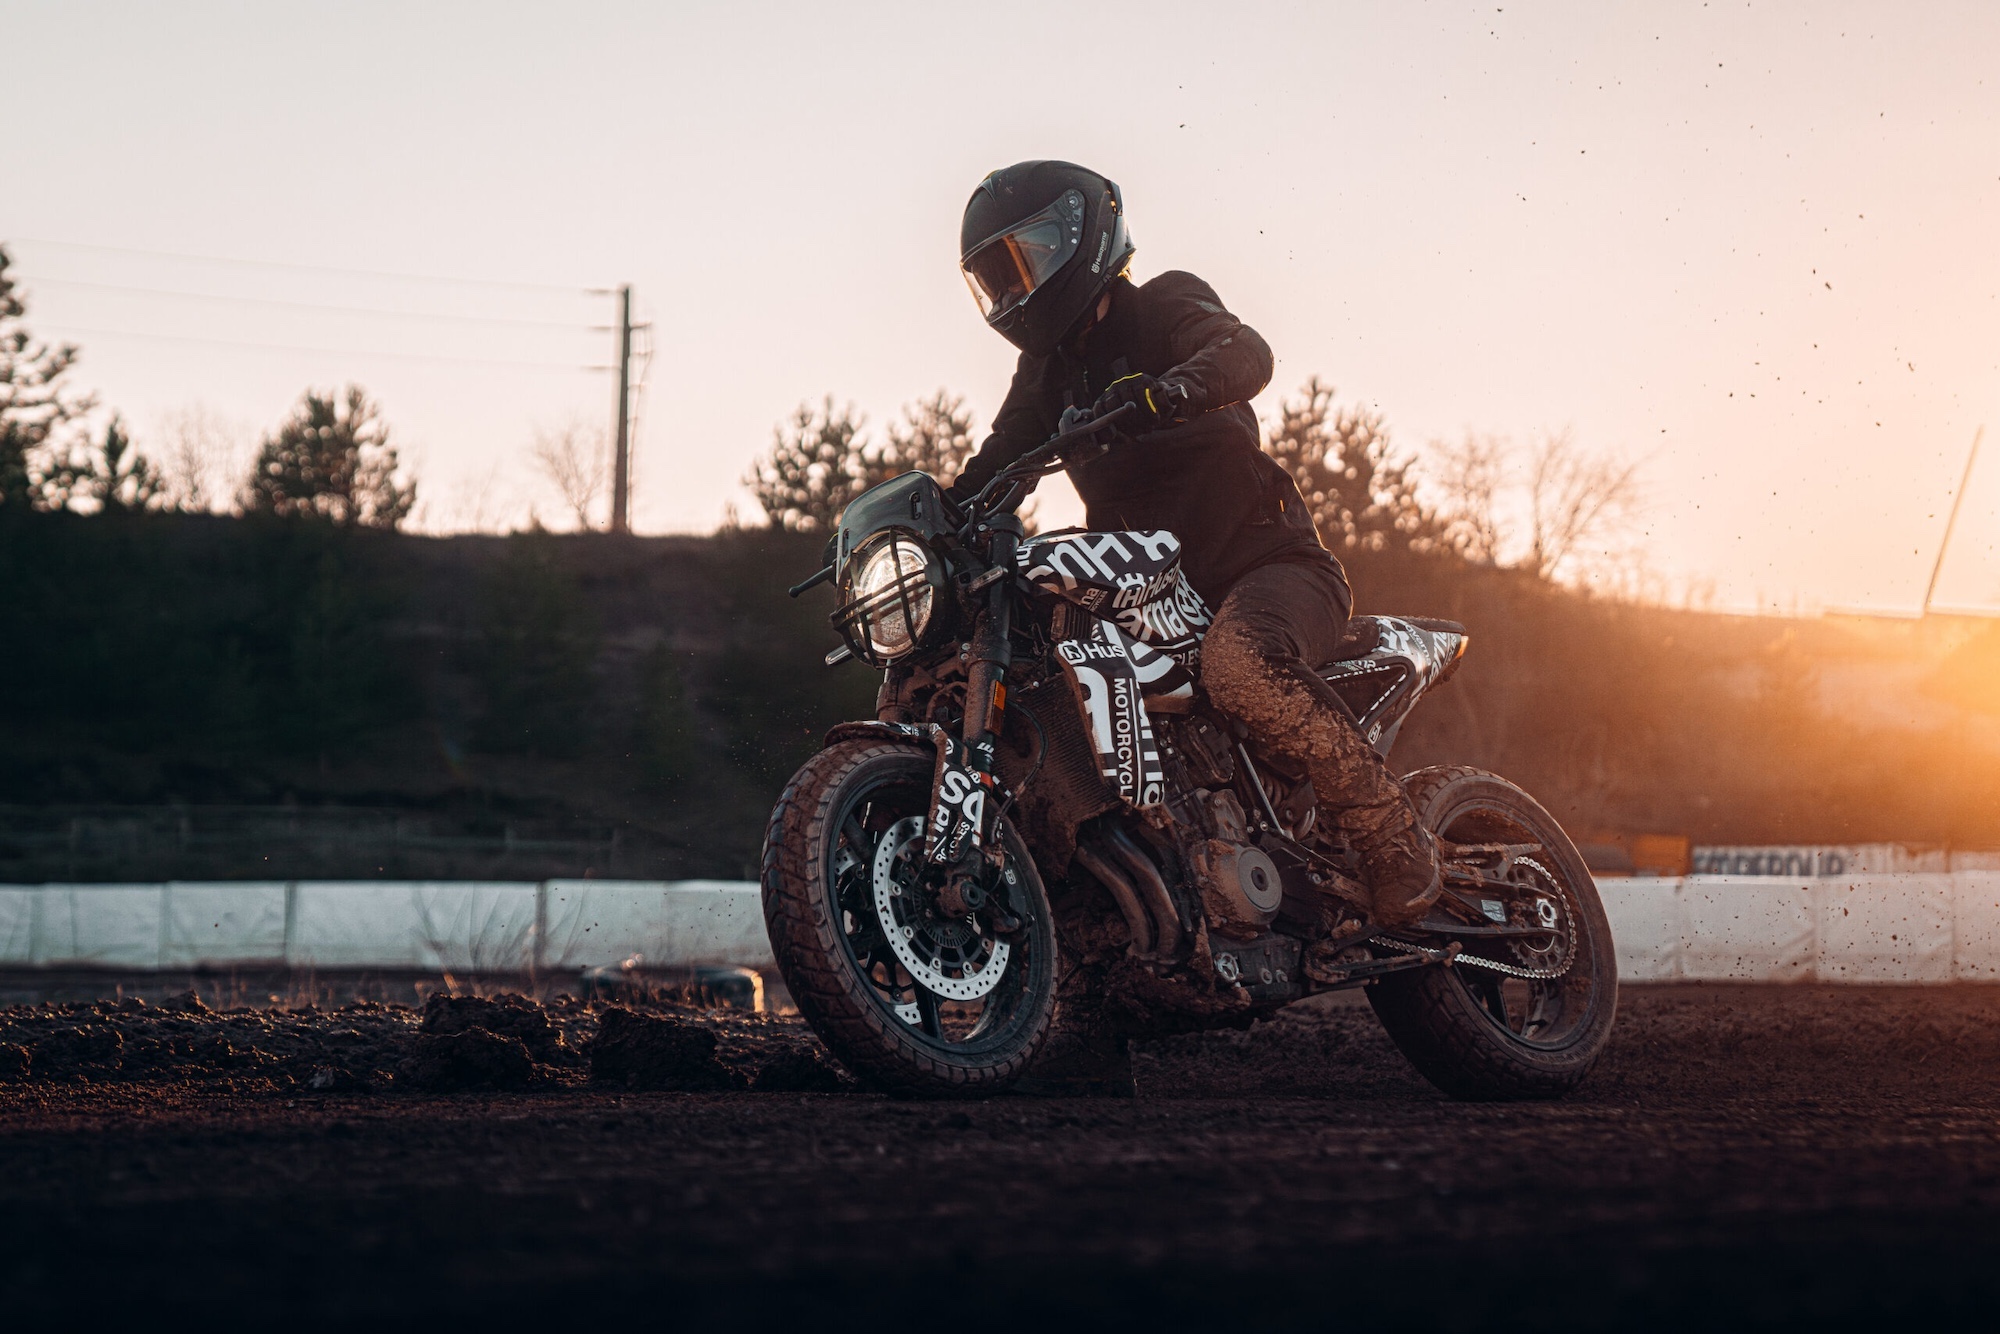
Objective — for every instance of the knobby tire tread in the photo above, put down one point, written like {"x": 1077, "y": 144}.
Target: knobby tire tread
{"x": 812, "y": 954}
{"x": 1425, "y": 1011}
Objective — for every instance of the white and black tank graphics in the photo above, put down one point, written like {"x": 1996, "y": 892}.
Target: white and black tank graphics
{"x": 1131, "y": 578}
{"x": 1110, "y": 672}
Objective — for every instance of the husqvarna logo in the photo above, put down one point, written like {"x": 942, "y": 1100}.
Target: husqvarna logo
{"x": 1103, "y": 244}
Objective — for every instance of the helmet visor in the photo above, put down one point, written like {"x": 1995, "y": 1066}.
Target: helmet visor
{"x": 1004, "y": 270}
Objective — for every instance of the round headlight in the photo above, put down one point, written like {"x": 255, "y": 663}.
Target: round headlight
{"x": 896, "y": 597}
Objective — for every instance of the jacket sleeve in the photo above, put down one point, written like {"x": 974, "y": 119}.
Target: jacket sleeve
{"x": 1026, "y": 418}
{"x": 1221, "y": 359}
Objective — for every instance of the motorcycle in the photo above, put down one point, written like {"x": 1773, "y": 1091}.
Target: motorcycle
{"x": 1048, "y": 843}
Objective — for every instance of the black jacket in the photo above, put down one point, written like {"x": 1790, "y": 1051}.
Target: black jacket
{"x": 1204, "y": 480}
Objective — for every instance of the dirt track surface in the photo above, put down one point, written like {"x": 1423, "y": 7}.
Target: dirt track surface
{"x": 1745, "y": 1157}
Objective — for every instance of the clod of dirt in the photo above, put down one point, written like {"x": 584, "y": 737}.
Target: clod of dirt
{"x": 90, "y": 1048}
{"x": 471, "y": 1059}
{"x": 508, "y": 1015}
{"x": 649, "y": 1052}
{"x": 801, "y": 1070}
{"x": 14, "y": 1060}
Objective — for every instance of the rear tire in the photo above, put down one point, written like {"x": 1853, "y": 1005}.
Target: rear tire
{"x": 825, "y": 932}
{"x": 1455, "y": 1023}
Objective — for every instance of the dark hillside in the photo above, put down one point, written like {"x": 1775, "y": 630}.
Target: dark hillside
{"x": 196, "y": 696}
{"x": 645, "y": 695}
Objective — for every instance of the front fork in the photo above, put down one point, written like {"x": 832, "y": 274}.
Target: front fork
{"x": 962, "y": 844}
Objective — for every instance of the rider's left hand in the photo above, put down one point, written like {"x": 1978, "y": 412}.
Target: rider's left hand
{"x": 1160, "y": 402}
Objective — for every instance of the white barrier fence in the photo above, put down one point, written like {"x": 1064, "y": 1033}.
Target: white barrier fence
{"x": 448, "y": 926}
{"x": 1925, "y": 927}
{"x": 1913, "y": 928}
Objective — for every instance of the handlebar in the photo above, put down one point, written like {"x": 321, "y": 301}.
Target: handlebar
{"x": 1036, "y": 462}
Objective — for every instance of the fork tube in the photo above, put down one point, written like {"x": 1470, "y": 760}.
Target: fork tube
{"x": 986, "y": 673}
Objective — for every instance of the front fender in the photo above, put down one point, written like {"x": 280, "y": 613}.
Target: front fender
{"x": 921, "y": 733}
{"x": 960, "y": 784}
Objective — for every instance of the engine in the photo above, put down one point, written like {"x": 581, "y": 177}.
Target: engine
{"x": 1240, "y": 890}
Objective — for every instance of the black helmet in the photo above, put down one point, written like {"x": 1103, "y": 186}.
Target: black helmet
{"x": 1041, "y": 241}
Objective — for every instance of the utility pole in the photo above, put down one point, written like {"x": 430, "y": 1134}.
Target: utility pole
{"x": 621, "y": 467}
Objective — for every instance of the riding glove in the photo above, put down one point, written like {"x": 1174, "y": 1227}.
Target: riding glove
{"x": 1160, "y": 402}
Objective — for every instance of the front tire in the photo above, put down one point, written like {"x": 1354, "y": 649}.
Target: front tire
{"x": 1478, "y": 1033}
{"x": 854, "y": 809}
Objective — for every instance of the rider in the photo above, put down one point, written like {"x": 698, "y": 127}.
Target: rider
{"x": 1045, "y": 249}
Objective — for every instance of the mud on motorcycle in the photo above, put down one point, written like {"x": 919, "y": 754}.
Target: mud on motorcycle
{"x": 1047, "y": 842}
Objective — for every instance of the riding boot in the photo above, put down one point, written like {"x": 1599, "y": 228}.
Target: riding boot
{"x": 1295, "y": 715}
{"x": 1399, "y": 858}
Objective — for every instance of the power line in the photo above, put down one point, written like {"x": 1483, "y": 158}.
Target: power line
{"x": 323, "y": 351}
{"x": 308, "y": 305}
{"x": 308, "y": 268}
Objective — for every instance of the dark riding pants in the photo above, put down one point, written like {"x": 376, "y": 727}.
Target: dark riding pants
{"x": 1277, "y": 623}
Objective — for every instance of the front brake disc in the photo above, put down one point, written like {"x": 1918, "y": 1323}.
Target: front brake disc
{"x": 951, "y": 957}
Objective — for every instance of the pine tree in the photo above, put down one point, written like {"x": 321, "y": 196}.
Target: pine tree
{"x": 331, "y": 460}
{"x": 1356, "y": 485}
{"x": 934, "y": 436}
{"x": 814, "y": 468}
{"x": 40, "y": 411}
{"x": 819, "y": 460}
{"x": 109, "y": 476}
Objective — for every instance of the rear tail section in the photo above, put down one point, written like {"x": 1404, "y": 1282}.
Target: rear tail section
{"x": 1388, "y": 663}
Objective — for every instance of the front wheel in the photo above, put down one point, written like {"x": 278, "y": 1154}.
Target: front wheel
{"x": 1518, "y": 1016}
{"x": 916, "y": 1002}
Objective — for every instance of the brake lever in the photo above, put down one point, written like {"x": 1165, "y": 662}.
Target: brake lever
{"x": 813, "y": 582}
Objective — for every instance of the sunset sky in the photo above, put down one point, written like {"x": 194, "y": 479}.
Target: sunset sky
{"x": 1751, "y": 244}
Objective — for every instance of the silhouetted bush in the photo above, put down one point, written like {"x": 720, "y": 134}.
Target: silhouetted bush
{"x": 533, "y": 650}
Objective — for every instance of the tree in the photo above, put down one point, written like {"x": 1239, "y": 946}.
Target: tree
{"x": 200, "y": 459}
{"x": 1471, "y": 477}
{"x": 820, "y": 461}
{"x": 41, "y": 413}
{"x": 1542, "y": 509}
{"x": 331, "y": 460}
{"x": 574, "y": 459}
{"x": 109, "y": 476}
{"x": 814, "y": 468}
{"x": 1576, "y": 500}
{"x": 934, "y": 436}
{"x": 1360, "y": 491}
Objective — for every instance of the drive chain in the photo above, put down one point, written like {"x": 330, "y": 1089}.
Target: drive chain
{"x": 1494, "y": 965}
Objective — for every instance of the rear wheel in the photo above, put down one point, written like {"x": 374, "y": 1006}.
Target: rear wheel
{"x": 914, "y": 1000}
{"x": 1518, "y": 1016}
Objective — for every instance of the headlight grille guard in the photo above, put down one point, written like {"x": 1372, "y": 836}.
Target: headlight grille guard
{"x": 852, "y": 619}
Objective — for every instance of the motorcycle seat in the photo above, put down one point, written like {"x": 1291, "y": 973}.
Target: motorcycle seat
{"x": 1362, "y": 635}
